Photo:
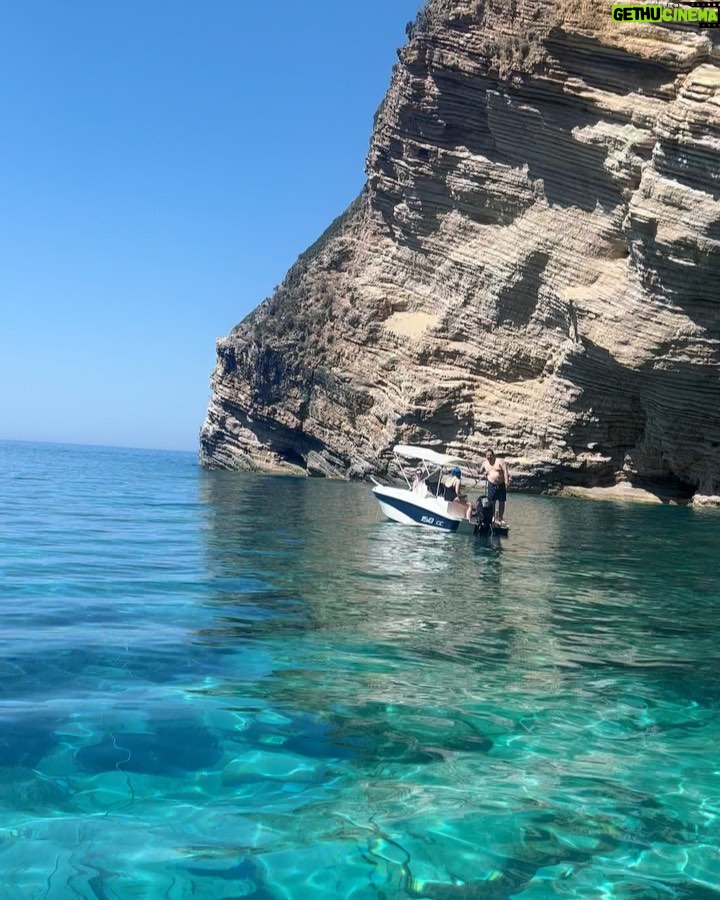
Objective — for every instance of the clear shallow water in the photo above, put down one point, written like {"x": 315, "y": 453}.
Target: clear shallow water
{"x": 219, "y": 686}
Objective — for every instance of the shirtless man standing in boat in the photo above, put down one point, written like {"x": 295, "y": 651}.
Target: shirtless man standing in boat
{"x": 498, "y": 478}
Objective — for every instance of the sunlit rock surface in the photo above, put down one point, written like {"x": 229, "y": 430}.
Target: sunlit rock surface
{"x": 534, "y": 264}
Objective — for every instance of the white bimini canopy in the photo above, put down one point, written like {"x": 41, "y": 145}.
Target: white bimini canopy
{"x": 427, "y": 455}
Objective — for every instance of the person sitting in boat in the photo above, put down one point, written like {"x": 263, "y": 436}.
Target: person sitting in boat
{"x": 418, "y": 483}
{"x": 452, "y": 488}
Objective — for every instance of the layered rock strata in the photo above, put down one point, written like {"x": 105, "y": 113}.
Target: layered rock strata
{"x": 534, "y": 264}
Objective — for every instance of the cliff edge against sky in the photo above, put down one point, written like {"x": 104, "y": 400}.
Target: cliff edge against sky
{"x": 533, "y": 264}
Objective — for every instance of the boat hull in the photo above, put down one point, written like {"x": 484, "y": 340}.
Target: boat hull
{"x": 402, "y": 505}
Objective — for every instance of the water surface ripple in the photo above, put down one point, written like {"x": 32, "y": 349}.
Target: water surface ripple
{"x": 221, "y": 686}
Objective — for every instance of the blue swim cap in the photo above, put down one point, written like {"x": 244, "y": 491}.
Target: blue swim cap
{"x": 455, "y": 471}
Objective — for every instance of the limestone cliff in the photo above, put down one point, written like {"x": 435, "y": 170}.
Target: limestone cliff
{"x": 533, "y": 264}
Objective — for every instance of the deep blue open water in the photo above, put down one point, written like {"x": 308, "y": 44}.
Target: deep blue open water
{"x": 218, "y": 686}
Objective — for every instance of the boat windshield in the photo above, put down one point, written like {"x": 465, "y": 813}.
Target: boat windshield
{"x": 425, "y": 475}
{"x": 423, "y": 479}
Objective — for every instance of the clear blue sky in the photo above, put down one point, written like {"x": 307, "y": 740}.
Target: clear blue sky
{"x": 162, "y": 164}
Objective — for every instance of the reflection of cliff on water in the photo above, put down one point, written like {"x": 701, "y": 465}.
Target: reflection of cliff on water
{"x": 314, "y": 557}
{"x": 313, "y": 562}
{"x": 477, "y": 605}
{"x": 324, "y": 544}
{"x": 296, "y": 540}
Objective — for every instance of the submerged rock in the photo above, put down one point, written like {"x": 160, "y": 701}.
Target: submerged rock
{"x": 165, "y": 751}
{"x": 23, "y": 744}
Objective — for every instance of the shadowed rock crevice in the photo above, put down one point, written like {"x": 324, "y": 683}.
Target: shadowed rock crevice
{"x": 518, "y": 300}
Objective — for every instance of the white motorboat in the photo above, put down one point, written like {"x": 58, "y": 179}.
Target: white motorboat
{"x": 421, "y": 501}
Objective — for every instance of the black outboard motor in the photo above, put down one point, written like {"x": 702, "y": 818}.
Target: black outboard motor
{"x": 482, "y": 514}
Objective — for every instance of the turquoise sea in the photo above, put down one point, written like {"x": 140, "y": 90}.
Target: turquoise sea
{"x": 217, "y": 686}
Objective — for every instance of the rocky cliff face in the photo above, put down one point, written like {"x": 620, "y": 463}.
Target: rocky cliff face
{"x": 534, "y": 264}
